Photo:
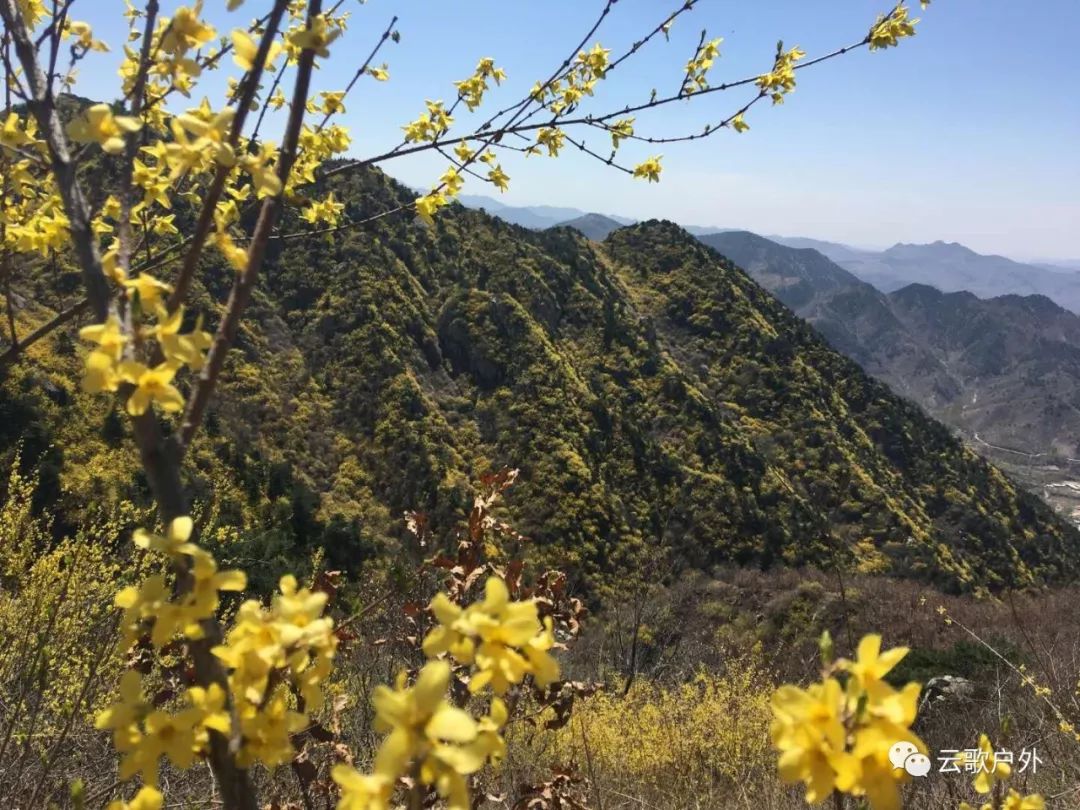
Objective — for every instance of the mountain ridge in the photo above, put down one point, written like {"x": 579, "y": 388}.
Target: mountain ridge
{"x": 980, "y": 364}
{"x": 657, "y": 400}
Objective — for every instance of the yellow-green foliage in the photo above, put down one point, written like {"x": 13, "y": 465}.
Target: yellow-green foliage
{"x": 56, "y": 614}
{"x": 693, "y": 738}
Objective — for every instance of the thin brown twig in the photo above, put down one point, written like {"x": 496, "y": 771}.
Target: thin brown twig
{"x": 245, "y": 281}
{"x": 360, "y": 71}
{"x": 16, "y": 349}
{"x": 584, "y": 119}
{"x": 213, "y": 193}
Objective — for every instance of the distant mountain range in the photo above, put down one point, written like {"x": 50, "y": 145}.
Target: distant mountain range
{"x": 951, "y": 267}
{"x": 1002, "y": 368}
{"x": 1005, "y": 370}
{"x": 536, "y": 217}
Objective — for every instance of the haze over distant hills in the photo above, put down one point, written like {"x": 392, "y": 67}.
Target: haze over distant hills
{"x": 950, "y": 267}
{"x": 1005, "y": 371}
{"x": 539, "y": 217}
{"x": 532, "y": 216}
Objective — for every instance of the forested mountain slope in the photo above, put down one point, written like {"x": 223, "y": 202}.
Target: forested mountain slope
{"x": 652, "y": 394}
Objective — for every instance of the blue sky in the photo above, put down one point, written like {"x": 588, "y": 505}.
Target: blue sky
{"x": 968, "y": 132}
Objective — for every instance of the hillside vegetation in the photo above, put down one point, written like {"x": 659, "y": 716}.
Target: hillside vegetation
{"x": 653, "y": 395}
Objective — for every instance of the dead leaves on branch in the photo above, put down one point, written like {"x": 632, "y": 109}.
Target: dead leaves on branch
{"x": 470, "y": 564}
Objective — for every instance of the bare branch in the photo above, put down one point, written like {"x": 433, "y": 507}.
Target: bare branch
{"x": 131, "y": 147}
{"x": 360, "y": 71}
{"x": 249, "y": 85}
{"x": 16, "y": 349}
{"x": 245, "y": 281}
{"x": 487, "y": 137}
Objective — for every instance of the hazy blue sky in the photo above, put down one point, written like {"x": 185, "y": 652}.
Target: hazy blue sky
{"x": 967, "y": 132}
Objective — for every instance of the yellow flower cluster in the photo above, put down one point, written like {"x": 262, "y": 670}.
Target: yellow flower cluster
{"x": 889, "y": 29}
{"x": 578, "y": 81}
{"x": 144, "y": 735}
{"x": 141, "y": 733}
{"x": 428, "y": 737}
{"x": 33, "y": 216}
{"x": 33, "y": 11}
{"x": 379, "y": 74}
{"x": 83, "y": 36}
{"x": 98, "y": 125}
{"x": 107, "y": 366}
{"x": 327, "y": 212}
{"x": 323, "y": 31}
{"x": 278, "y": 658}
{"x": 148, "y": 798}
{"x": 429, "y": 126}
{"x": 649, "y": 169}
{"x": 1014, "y": 800}
{"x": 620, "y": 130}
{"x": 697, "y": 68}
{"x": 503, "y": 640}
{"x": 472, "y": 89}
{"x": 424, "y": 728}
{"x": 152, "y": 604}
{"x": 173, "y": 41}
{"x": 290, "y": 643}
{"x": 429, "y": 204}
{"x": 316, "y": 147}
{"x": 709, "y": 731}
{"x": 452, "y": 181}
{"x": 836, "y": 736}
{"x": 552, "y": 138}
{"x": 781, "y": 79}
{"x": 245, "y": 49}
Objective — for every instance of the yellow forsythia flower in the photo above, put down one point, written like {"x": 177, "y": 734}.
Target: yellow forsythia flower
{"x": 428, "y": 205}
{"x": 649, "y": 169}
{"x": 291, "y": 638}
{"x": 148, "y": 288}
{"x": 185, "y": 30}
{"x": 834, "y": 737}
{"x": 98, "y": 125}
{"x": 245, "y": 49}
{"x": 990, "y": 770}
{"x": 317, "y": 38}
{"x": 1013, "y": 801}
{"x": 178, "y": 533}
{"x": 101, "y": 364}
{"x": 888, "y": 30}
{"x": 147, "y": 798}
{"x": 326, "y": 211}
{"x": 144, "y": 735}
{"x": 421, "y": 724}
{"x": 499, "y": 178}
{"x": 151, "y": 385}
{"x": 152, "y": 602}
{"x": 505, "y": 640}
{"x": 181, "y": 349}
{"x": 233, "y": 253}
